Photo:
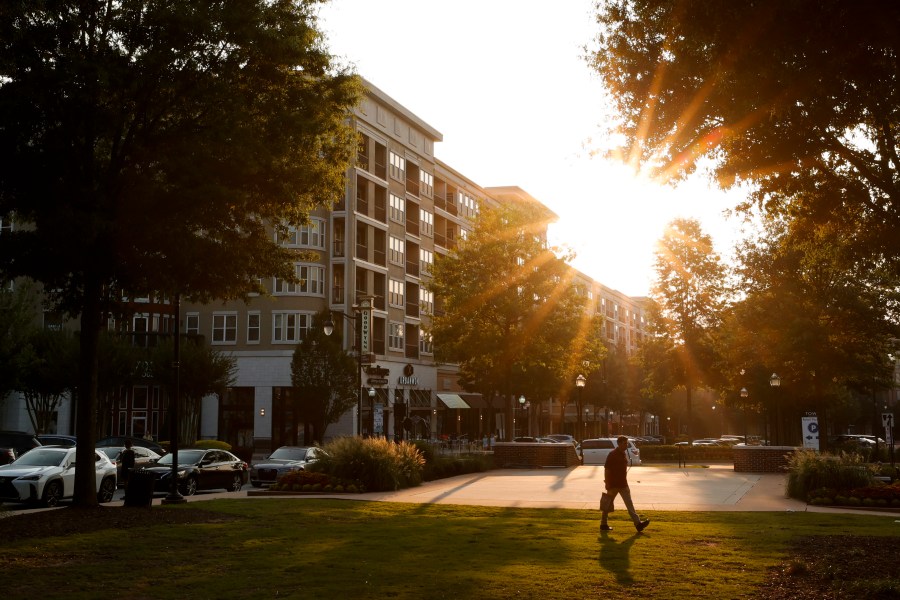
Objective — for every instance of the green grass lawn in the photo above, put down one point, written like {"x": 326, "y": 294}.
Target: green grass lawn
{"x": 308, "y": 548}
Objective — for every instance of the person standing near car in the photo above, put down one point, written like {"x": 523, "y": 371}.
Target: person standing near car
{"x": 126, "y": 459}
{"x": 615, "y": 476}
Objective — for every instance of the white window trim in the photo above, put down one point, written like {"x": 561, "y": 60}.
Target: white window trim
{"x": 224, "y": 342}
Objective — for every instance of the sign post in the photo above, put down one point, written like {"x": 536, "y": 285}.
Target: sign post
{"x": 810, "y": 431}
{"x": 887, "y": 420}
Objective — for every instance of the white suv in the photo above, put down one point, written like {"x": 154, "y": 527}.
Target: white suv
{"x": 595, "y": 451}
{"x": 46, "y": 474}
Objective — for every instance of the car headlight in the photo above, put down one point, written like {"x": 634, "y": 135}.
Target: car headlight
{"x": 34, "y": 477}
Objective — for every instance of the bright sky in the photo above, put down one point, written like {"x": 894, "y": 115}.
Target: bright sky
{"x": 504, "y": 81}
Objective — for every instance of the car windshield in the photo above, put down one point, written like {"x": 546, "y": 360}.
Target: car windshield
{"x": 41, "y": 458}
{"x": 185, "y": 457}
{"x": 289, "y": 454}
{"x": 111, "y": 451}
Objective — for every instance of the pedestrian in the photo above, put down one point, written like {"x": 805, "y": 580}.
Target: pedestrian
{"x": 493, "y": 441}
{"x": 126, "y": 462}
{"x": 484, "y": 443}
{"x": 615, "y": 476}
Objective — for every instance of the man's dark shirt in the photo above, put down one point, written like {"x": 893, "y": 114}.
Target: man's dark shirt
{"x": 616, "y": 469}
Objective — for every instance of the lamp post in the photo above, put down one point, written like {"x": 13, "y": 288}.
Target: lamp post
{"x": 775, "y": 381}
{"x": 372, "y": 407}
{"x": 579, "y": 385}
{"x": 174, "y": 496}
{"x": 586, "y": 412}
{"x": 363, "y": 309}
{"x": 745, "y": 394}
{"x": 521, "y": 408}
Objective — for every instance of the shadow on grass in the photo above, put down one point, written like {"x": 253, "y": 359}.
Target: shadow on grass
{"x": 615, "y": 556}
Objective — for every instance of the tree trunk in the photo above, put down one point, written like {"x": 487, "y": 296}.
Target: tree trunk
{"x": 85, "y": 492}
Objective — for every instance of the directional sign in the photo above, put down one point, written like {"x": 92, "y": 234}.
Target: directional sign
{"x": 810, "y": 432}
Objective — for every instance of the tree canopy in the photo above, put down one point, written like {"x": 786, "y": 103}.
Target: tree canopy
{"x": 689, "y": 295}
{"x": 509, "y": 310}
{"x": 800, "y": 98}
{"x": 148, "y": 145}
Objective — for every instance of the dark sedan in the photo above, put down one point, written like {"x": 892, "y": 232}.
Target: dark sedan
{"x": 135, "y": 441}
{"x": 284, "y": 460}
{"x": 200, "y": 469}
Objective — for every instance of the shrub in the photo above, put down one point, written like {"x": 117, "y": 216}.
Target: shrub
{"x": 375, "y": 464}
{"x": 212, "y": 444}
{"x": 808, "y": 470}
{"x": 449, "y": 466}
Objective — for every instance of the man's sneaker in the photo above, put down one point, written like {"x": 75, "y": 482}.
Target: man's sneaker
{"x": 643, "y": 525}
{"x": 605, "y": 528}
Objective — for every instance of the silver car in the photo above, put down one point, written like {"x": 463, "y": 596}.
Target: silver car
{"x": 284, "y": 460}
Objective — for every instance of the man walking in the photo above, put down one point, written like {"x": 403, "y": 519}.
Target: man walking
{"x": 615, "y": 475}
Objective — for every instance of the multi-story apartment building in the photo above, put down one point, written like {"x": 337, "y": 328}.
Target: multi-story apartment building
{"x": 402, "y": 207}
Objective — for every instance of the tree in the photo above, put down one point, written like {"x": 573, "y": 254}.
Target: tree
{"x": 509, "y": 309}
{"x": 800, "y": 98}
{"x": 149, "y": 145}
{"x": 18, "y": 306}
{"x": 815, "y": 312}
{"x": 690, "y": 294}
{"x": 50, "y": 374}
{"x": 325, "y": 377}
{"x": 203, "y": 371}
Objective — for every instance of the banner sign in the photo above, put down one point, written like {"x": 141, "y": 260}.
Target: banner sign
{"x": 811, "y": 431}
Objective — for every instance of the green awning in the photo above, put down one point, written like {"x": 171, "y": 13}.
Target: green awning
{"x": 452, "y": 401}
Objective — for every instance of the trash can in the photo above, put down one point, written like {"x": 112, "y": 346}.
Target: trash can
{"x": 139, "y": 489}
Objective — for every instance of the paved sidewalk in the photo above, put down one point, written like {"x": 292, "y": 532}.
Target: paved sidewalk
{"x": 663, "y": 487}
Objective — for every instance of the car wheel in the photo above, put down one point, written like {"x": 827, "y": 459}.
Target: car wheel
{"x": 190, "y": 487}
{"x": 52, "y": 494}
{"x": 107, "y": 490}
{"x": 237, "y": 482}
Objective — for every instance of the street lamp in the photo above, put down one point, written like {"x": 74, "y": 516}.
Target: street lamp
{"x": 521, "y": 407}
{"x": 586, "y": 412}
{"x": 745, "y": 394}
{"x": 579, "y": 385}
{"x": 775, "y": 381}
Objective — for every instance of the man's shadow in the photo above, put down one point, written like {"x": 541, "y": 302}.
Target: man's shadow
{"x": 615, "y": 556}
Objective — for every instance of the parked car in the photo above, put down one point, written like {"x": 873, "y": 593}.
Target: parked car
{"x": 53, "y": 439}
{"x": 856, "y": 442}
{"x": 707, "y": 442}
{"x": 563, "y": 437}
{"x": 143, "y": 457}
{"x": 14, "y": 444}
{"x": 595, "y": 451}
{"x": 284, "y": 460}
{"x": 135, "y": 441}
{"x": 527, "y": 439}
{"x": 47, "y": 475}
{"x": 200, "y": 469}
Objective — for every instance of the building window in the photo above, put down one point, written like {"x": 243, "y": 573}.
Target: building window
{"x": 426, "y": 301}
{"x": 398, "y": 209}
{"x": 253, "y": 328}
{"x": 426, "y": 260}
{"x": 192, "y": 323}
{"x": 426, "y": 222}
{"x": 395, "y": 293}
{"x": 426, "y": 346}
{"x": 224, "y": 328}
{"x": 398, "y": 167}
{"x": 398, "y": 249}
{"x": 307, "y": 236}
{"x": 290, "y": 327}
{"x": 426, "y": 184}
{"x": 395, "y": 336}
{"x": 312, "y": 282}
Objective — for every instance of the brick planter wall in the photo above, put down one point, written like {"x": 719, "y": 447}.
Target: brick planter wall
{"x": 534, "y": 456}
{"x": 761, "y": 459}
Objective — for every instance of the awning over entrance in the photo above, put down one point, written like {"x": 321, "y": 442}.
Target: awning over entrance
{"x": 474, "y": 400}
{"x": 452, "y": 401}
